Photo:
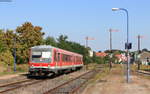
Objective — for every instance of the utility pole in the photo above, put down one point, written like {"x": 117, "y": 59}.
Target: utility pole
{"x": 15, "y": 51}
{"x": 110, "y": 36}
{"x": 139, "y": 45}
{"x": 86, "y": 40}
{"x": 110, "y": 30}
{"x": 139, "y": 37}
{"x": 110, "y": 39}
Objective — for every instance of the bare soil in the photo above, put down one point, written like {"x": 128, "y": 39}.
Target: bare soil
{"x": 12, "y": 78}
{"x": 115, "y": 83}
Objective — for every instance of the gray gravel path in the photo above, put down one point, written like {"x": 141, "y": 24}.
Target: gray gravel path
{"x": 44, "y": 86}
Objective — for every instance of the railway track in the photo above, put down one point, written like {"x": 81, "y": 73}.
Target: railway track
{"x": 144, "y": 72}
{"x": 68, "y": 87}
{"x": 73, "y": 85}
{"x": 15, "y": 85}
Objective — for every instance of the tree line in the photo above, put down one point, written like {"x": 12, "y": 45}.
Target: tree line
{"x": 26, "y": 36}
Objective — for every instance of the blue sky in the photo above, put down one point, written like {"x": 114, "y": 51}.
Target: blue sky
{"x": 80, "y": 18}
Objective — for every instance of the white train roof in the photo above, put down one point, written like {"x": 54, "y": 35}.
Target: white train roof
{"x": 49, "y": 47}
{"x": 42, "y": 46}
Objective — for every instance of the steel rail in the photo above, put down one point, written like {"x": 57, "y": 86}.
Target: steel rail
{"x": 73, "y": 88}
{"x": 19, "y": 85}
{"x": 143, "y": 72}
{"x": 12, "y": 83}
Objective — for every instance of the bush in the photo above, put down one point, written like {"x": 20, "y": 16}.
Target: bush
{"x": 7, "y": 58}
{"x": 6, "y": 61}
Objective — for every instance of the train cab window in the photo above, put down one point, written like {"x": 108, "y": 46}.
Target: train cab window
{"x": 36, "y": 54}
{"x": 41, "y": 56}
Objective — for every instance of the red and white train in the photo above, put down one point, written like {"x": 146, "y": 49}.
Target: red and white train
{"x": 46, "y": 59}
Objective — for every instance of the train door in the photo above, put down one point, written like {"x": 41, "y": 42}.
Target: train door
{"x": 57, "y": 59}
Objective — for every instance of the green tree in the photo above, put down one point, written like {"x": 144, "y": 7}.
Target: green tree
{"x": 50, "y": 41}
{"x": 27, "y": 36}
{"x": 6, "y": 60}
{"x": 63, "y": 43}
{"x": 145, "y": 49}
{"x": 2, "y": 47}
{"x": 8, "y": 40}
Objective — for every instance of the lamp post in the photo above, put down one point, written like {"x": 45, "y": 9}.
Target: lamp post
{"x": 127, "y": 44}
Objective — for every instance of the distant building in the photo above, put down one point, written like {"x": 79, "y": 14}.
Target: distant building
{"x": 121, "y": 58}
{"x": 91, "y": 53}
{"x": 101, "y": 54}
{"x": 145, "y": 58}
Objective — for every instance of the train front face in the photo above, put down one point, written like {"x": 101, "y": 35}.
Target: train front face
{"x": 40, "y": 60}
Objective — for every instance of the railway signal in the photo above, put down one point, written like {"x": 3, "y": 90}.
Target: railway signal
{"x": 110, "y": 33}
{"x": 110, "y": 36}
{"x": 139, "y": 41}
{"x": 86, "y": 39}
{"x": 139, "y": 44}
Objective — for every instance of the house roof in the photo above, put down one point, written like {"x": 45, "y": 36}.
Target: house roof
{"x": 101, "y": 54}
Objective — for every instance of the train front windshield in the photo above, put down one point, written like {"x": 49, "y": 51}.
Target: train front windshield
{"x": 41, "y": 56}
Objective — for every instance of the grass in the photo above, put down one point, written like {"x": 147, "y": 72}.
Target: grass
{"x": 100, "y": 75}
{"x": 19, "y": 69}
{"x": 142, "y": 67}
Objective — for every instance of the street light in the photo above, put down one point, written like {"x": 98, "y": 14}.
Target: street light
{"x": 115, "y": 9}
{"x": 127, "y": 45}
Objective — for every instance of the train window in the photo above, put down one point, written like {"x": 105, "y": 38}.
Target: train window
{"x": 78, "y": 59}
{"x": 41, "y": 56}
{"x": 36, "y": 54}
{"x": 58, "y": 55}
{"x": 46, "y": 54}
{"x": 55, "y": 56}
{"x": 66, "y": 58}
{"x": 63, "y": 57}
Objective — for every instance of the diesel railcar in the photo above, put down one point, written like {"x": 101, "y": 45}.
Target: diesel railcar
{"x": 46, "y": 59}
